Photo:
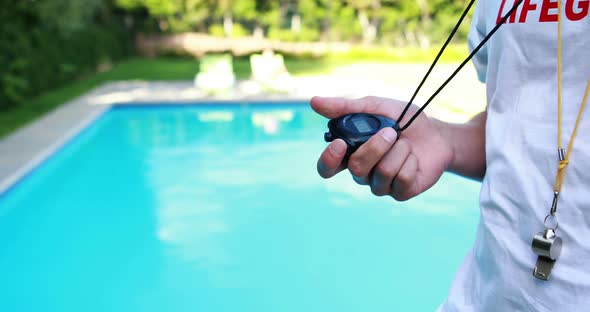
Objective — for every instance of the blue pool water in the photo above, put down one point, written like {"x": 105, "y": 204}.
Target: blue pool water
{"x": 219, "y": 208}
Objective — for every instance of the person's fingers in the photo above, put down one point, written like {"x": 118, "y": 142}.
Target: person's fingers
{"x": 362, "y": 161}
{"x": 360, "y": 180}
{"x": 389, "y": 166}
{"x": 332, "y": 159}
{"x": 404, "y": 184}
{"x": 333, "y": 107}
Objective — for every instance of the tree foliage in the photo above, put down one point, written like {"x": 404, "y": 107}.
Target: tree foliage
{"x": 393, "y": 22}
{"x": 47, "y": 43}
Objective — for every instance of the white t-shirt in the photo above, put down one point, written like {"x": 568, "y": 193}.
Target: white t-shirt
{"x": 519, "y": 67}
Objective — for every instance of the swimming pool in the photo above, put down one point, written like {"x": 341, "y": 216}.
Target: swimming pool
{"x": 219, "y": 208}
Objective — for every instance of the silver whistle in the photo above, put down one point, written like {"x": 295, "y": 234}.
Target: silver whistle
{"x": 547, "y": 246}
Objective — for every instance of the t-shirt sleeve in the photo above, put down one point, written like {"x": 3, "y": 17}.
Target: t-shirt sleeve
{"x": 476, "y": 34}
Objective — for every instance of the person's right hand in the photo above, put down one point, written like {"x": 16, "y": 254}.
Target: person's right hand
{"x": 402, "y": 170}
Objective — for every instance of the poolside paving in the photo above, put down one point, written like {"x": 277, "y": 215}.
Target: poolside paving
{"x": 25, "y": 149}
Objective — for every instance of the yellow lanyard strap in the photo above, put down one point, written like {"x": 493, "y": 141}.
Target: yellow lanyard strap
{"x": 564, "y": 160}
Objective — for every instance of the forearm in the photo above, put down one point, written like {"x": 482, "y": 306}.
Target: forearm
{"x": 468, "y": 143}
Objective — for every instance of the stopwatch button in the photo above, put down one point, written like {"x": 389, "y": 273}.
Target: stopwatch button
{"x": 328, "y": 137}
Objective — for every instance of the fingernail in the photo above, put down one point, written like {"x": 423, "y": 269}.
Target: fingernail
{"x": 337, "y": 149}
{"x": 389, "y": 134}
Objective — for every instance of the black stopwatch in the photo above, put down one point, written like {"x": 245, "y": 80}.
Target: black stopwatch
{"x": 356, "y": 129}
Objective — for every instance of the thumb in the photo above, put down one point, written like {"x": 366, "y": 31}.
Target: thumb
{"x": 333, "y": 107}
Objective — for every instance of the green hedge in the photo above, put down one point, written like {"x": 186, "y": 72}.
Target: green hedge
{"x": 37, "y": 56}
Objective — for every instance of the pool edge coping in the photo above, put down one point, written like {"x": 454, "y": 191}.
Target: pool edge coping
{"x": 33, "y": 160}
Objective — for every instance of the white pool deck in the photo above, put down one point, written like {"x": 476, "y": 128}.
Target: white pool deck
{"x": 29, "y": 146}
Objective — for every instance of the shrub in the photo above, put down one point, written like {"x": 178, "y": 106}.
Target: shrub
{"x": 37, "y": 55}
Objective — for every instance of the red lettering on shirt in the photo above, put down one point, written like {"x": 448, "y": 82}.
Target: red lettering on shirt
{"x": 512, "y": 18}
{"x": 527, "y": 6}
{"x": 545, "y": 16}
{"x": 499, "y": 18}
{"x": 576, "y": 16}
{"x": 575, "y": 10}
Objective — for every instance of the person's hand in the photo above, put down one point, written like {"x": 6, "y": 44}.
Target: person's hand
{"x": 402, "y": 170}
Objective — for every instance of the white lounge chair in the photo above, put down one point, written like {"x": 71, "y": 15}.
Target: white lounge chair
{"x": 216, "y": 73}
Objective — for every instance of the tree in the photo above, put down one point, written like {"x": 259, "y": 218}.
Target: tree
{"x": 173, "y": 15}
{"x": 47, "y": 43}
{"x": 367, "y": 18}
{"x": 244, "y": 10}
{"x": 413, "y": 22}
{"x": 66, "y": 15}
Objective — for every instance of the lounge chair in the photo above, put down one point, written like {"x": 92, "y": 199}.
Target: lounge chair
{"x": 269, "y": 71}
{"x": 216, "y": 73}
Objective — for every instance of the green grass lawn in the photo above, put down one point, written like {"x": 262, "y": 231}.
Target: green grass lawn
{"x": 185, "y": 69}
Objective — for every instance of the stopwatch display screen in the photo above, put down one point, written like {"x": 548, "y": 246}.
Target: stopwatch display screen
{"x": 364, "y": 123}
{"x": 361, "y": 125}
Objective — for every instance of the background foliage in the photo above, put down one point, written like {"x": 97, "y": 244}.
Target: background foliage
{"x": 47, "y": 43}
{"x": 397, "y": 22}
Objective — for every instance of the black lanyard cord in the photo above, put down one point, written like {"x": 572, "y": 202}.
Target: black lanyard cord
{"x": 475, "y": 50}
{"x": 436, "y": 59}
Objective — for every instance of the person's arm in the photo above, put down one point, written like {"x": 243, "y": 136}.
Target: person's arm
{"x": 468, "y": 144}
